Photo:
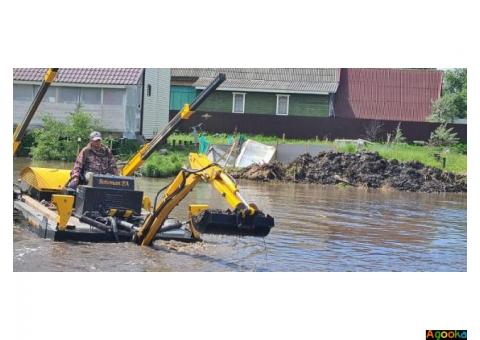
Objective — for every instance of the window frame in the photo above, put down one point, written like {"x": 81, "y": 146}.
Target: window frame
{"x": 99, "y": 89}
{"x": 28, "y": 88}
{"x": 61, "y": 100}
{"x": 288, "y": 104}
{"x": 124, "y": 99}
{"x": 233, "y": 101}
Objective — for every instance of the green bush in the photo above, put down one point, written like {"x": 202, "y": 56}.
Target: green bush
{"x": 26, "y": 145}
{"x": 165, "y": 165}
{"x": 443, "y": 136}
{"x": 460, "y": 148}
{"x": 123, "y": 149}
{"x": 62, "y": 140}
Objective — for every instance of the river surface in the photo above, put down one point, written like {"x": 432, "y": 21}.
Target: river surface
{"x": 317, "y": 228}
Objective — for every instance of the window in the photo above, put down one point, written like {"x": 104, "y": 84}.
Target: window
{"x": 113, "y": 96}
{"x": 238, "y": 103}
{"x": 68, "y": 95}
{"x": 149, "y": 90}
{"x": 282, "y": 104}
{"x": 22, "y": 92}
{"x": 50, "y": 96}
{"x": 90, "y": 96}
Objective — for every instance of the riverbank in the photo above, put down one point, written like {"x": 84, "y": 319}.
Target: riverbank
{"x": 364, "y": 169}
{"x": 455, "y": 156}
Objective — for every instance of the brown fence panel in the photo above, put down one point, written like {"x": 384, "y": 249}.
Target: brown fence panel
{"x": 311, "y": 127}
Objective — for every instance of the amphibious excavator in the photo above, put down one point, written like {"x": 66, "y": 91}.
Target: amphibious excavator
{"x": 109, "y": 209}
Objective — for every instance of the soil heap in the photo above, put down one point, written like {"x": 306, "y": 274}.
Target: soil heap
{"x": 367, "y": 169}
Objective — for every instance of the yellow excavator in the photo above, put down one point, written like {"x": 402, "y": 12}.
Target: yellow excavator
{"x": 111, "y": 210}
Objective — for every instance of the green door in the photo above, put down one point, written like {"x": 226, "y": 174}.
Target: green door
{"x": 181, "y": 95}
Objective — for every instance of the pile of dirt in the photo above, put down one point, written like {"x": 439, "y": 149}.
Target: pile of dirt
{"x": 366, "y": 169}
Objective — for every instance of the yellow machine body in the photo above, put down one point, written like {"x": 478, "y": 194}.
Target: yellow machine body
{"x": 194, "y": 210}
{"x": 201, "y": 169}
{"x": 64, "y": 204}
{"x": 45, "y": 179}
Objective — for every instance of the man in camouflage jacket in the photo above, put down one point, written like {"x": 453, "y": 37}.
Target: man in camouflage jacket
{"x": 96, "y": 158}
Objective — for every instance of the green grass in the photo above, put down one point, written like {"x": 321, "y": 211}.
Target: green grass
{"x": 455, "y": 162}
{"x": 221, "y": 138}
{"x": 165, "y": 165}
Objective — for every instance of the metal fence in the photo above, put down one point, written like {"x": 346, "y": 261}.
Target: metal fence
{"x": 313, "y": 127}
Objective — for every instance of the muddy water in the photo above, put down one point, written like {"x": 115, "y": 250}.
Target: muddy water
{"x": 318, "y": 228}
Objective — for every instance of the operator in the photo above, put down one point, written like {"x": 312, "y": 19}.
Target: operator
{"x": 94, "y": 158}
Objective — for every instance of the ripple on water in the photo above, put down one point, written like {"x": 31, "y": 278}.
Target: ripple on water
{"x": 318, "y": 228}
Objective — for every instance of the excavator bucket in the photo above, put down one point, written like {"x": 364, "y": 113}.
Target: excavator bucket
{"x": 219, "y": 222}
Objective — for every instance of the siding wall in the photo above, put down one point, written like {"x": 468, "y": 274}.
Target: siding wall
{"x": 112, "y": 117}
{"x": 266, "y": 103}
{"x": 309, "y": 105}
{"x": 396, "y": 94}
{"x": 156, "y": 106}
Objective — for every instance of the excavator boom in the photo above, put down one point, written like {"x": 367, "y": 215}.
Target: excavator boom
{"x": 22, "y": 127}
{"x": 146, "y": 150}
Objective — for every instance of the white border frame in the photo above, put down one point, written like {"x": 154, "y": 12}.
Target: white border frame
{"x": 288, "y": 104}
{"x": 233, "y": 101}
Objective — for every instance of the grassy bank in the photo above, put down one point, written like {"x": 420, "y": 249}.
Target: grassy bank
{"x": 455, "y": 162}
{"x": 222, "y": 138}
{"x": 166, "y": 164}
{"x": 170, "y": 163}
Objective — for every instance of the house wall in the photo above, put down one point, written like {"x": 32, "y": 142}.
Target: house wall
{"x": 266, "y": 103}
{"x": 181, "y": 95}
{"x": 391, "y": 94}
{"x": 133, "y": 111}
{"x": 111, "y": 115}
{"x": 156, "y": 100}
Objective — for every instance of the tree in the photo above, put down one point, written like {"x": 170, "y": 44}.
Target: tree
{"x": 453, "y": 103}
{"x": 443, "y": 136}
{"x": 61, "y": 140}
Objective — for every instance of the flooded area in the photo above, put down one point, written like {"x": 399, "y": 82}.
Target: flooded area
{"x": 317, "y": 228}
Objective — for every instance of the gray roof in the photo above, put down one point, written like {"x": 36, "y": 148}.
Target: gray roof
{"x": 300, "y": 80}
{"x": 110, "y": 76}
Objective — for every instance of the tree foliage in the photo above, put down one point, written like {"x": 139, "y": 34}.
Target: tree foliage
{"x": 443, "y": 136}
{"x": 61, "y": 140}
{"x": 453, "y": 103}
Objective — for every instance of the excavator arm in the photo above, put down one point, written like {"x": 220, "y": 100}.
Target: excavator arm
{"x": 185, "y": 113}
{"x": 21, "y": 129}
{"x": 244, "y": 220}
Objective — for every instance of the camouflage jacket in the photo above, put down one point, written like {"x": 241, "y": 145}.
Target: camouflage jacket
{"x": 97, "y": 161}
